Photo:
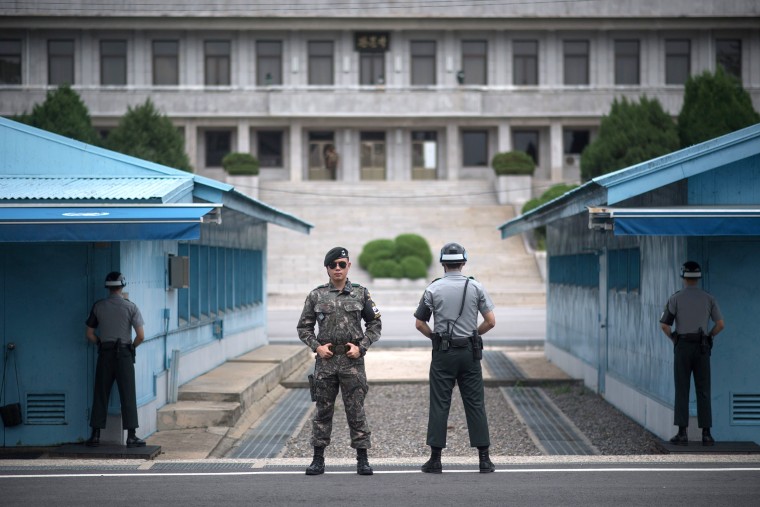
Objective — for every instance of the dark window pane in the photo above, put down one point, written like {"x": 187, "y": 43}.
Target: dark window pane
{"x": 372, "y": 68}
{"x": 575, "y": 141}
{"x": 270, "y": 149}
{"x": 424, "y": 150}
{"x": 626, "y": 62}
{"x": 165, "y": 62}
{"x": 728, "y": 54}
{"x": 10, "y": 61}
{"x": 321, "y": 70}
{"x": 474, "y": 148}
{"x": 218, "y": 144}
{"x": 60, "y": 62}
{"x": 677, "y": 61}
{"x": 527, "y": 141}
{"x": 525, "y": 62}
{"x": 474, "y": 62}
{"x": 423, "y": 63}
{"x": 268, "y": 63}
{"x": 576, "y": 62}
{"x": 217, "y": 63}
{"x": 113, "y": 62}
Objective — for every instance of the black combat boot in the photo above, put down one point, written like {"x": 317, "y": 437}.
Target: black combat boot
{"x": 317, "y": 466}
{"x": 433, "y": 465}
{"x": 707, "y": 438}
{"x": 681, "y": 438}
{"x": 362, "y": 463}
{"x": 94, "y": 440}
{"x": 485, "y": 462}
{"x": 133, "y": 440}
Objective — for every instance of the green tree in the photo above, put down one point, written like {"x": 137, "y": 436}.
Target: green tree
{"x": 63, "y": 112}
{"x": 145, "y": 133}
{"x": 713, "y": 105}
{"x": 631, "y": 133}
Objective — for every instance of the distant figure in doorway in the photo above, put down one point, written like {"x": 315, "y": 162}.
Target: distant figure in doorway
{"x": 331, "y": 161}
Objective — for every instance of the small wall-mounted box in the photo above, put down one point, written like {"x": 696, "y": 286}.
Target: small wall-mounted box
{"x": 179, "y": 272}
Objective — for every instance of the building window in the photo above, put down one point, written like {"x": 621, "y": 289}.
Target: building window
{"x": 372, "y": 68}
{"x": 424, "y": 155}
{"x": 321, "y": 66}
{"x": 60, "y": 62}
{"x": 372, "y": 155}
{"x": 624, "y": 268}
{"x": 165, "y": 62}
{"x": 10, "y": 61}
{"x": 581, "y": 270}
{"x": 576, "y": 62}
{"x": 270, "y": 148}
{"x": 525, "y": 62}
{"x": 474, "y": 62}
{"x": 218, "y": 144}
{"x": 474, "y": 148}
{"x": 627, "y": 62}
{"x": 728, "y": 54}
{"x": 423, "y": 63}
{"x": 527, "y": 141}
{"x": 269, "y": 63}
{"x": 575, "y": 141}
{"x": 677, "y": 61}
{"x": 217, "y": 62}
{"x": 113, "y": 62}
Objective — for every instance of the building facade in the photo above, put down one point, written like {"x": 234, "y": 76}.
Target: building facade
{"x": 403, "y": 92}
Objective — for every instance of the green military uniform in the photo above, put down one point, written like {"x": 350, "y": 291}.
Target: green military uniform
{"x": 338, "y": 315}
{"x": 443, "y": 300}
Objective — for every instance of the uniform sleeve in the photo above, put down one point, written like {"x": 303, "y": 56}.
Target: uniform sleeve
{"x": 306, "y": 324}
{"x": 669, "y": 313}
{"x": 92, "y": 320}
{"x": 715, "y": 313}
{"x": 424, "y": 308}
{"x": 485, "y": 304}
{"x": 372, "y": 324}
{"x": 137, "y": 319}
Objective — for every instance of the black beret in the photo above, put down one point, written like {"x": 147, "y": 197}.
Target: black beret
{"x": 336, "y": 253}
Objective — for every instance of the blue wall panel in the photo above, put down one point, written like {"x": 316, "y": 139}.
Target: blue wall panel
{"x": 735, "y": 183}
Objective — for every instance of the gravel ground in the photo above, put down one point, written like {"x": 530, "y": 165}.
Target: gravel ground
{"x": 398, "y": 419}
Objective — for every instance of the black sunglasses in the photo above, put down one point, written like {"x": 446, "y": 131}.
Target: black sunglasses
{"x": 334, "y": 265}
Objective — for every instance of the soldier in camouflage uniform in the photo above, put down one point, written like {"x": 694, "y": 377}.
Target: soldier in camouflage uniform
{"x": 339, "y": 307}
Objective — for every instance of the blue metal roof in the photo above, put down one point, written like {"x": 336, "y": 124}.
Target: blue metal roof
{"x": 119, "y": 189}
{"x": 641, "y": 178}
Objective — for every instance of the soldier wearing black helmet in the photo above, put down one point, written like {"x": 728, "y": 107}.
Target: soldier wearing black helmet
{"x": 114, "y": 318}
{"x": 454, "y": 302}
{"x": 691, "y": 309}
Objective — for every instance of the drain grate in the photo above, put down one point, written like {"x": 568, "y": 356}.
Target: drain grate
{"x": 185, "y": 467}
{"x": 267, "y": 439}
{"x": 549, "y": 427}
{"x": 501, "y": 366}
{"x": 98, "y": 468}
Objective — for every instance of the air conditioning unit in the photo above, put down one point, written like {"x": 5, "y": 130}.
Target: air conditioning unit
{"x": 572, "y": 160}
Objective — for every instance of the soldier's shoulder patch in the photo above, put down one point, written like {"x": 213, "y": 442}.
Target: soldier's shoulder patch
{"x": 471, "y": 277}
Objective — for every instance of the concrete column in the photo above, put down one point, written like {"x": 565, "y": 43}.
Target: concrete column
{"x": 349, "y": 159}
{"x": 296, "y": 151}
{"x": 243, "y": 137}
{"x": 191, "y": 145}
{"x": 555, "y": 159}
{"x": 503, "y": 137}
{"x": 453, "y": 151}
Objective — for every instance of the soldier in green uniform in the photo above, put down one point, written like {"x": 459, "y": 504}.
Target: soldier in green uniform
{"x": 454, "y": 302}
{"x": 338, "y": 308}
{"x": 114, "y": 318}
{"x": 692, "y": 309}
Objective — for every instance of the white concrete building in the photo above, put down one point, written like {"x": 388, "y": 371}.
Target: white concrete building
{"x": 405, "y": 90}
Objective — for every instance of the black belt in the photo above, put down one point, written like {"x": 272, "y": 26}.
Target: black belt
{"x": 339, "y": 349}
{"x": 690, "y": 337}
{"x": 459, "y": 343}
{"x": 113, "y": 345}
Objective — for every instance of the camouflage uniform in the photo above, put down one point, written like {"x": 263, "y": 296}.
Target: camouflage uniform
{"x": 339, "y": 314}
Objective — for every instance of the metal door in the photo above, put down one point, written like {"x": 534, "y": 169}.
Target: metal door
{"x": 43, "y": 306}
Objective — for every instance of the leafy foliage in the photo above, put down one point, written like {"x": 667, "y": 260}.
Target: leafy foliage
{"x": 386, "y": 268}
{"x": 713, "y": 105}
{"x": 413, "y": 268}
{"x": 240, "y": 164}
{"x": 63, "y": 112}
{"x": 539, "y": 233}
{"x": 406, "y": 256}
{"x": 413, "y": 245}
{"x": 376, "y": 250}
{"x": 145, "y": 133}
{"x": 513, "y": 162}
{"x": 630, "y": 134}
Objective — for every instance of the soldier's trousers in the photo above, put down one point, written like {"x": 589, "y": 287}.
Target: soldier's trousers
{"x": 114, "y": 364}
{"x": 689, "y": 359}
{"x": 352, "y": 383}
{"x": 456, "y": 365}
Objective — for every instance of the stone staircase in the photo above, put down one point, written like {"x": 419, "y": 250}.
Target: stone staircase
{"x": 351, "y": 214}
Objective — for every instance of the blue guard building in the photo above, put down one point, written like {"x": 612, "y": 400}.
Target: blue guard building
{"x": 614, "y": 249}
{"x": 193, "y": 251}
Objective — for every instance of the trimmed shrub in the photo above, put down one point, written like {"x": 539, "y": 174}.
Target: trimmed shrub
{"x": 513, "y": 163}
{"x": 413, "y": 245}
{"x": 386, "y": 268}
{"x": 375, "y": 250}
{"x": 240, "y": 164}
{"x": 413, "y": 267}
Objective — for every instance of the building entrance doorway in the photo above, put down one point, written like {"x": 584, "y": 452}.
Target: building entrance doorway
{"x": 323, "y": 157}
{"x": 372, "y": 155}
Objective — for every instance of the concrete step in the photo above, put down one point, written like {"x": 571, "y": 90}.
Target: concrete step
{"x": 198, "y": 414}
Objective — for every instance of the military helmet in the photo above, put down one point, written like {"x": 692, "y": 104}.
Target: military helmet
{"x": 453, "y": 253}
{"x": 691, "y": 269}
{"x": 115, "y": 279}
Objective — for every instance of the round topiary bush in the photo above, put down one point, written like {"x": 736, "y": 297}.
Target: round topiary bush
{"x": 413, "y": 245}
{"x": 375, "y": 250}
{"x": 413, "y": 267}
{"x": 386, "y": 268}
{"x": 513, "y": 163}
{"x": 240, "y": 164}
